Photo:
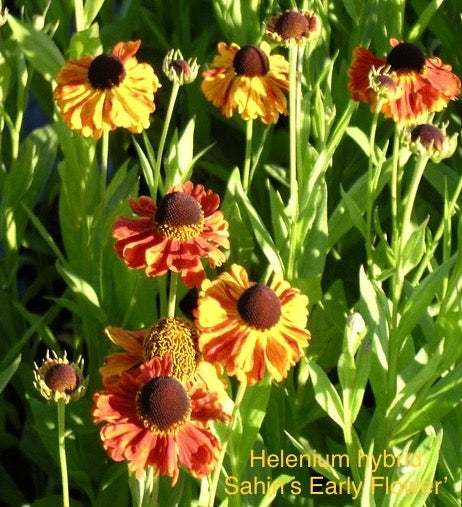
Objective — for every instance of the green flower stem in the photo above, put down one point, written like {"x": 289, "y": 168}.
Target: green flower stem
{"x": 372, "y": 180}
{"x": 172, "y": 293}
{"x": 248, "y": 156}
{"x": 163, "y": 137}
{"x": 298, "y": 103}
{"x": 61, "y": 404}
{"x": 224, "y": 444}
{"x": 292, "y": 207}
{"x": 398, "y": 284}
{"x": 438, "y": 235}
{"x": 79, "y": 15}
{"x": 102, "y": 203}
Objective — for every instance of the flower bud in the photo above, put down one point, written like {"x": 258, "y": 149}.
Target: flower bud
{"x": 179, "y": 70}
{"x": 58, "y": 379}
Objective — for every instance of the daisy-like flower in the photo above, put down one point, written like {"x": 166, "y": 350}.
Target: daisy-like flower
{"x": 249, "y": 79}
{"x": 432, "y": 141}
{"x": 109, "y": 91}
{"x": 58, "y": 379}
{"x": 293, "y": 27}
{"x": 151, "y": 419}
{"x": 173, "y": 335}
{"x": 250, "y": 327}
{"x": 177, "y": 336}
{"x": 425, "y": 85}
{"x": 175, "y": 234}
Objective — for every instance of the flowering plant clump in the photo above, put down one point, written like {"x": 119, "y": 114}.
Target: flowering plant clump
{"x": 244, "y": 216}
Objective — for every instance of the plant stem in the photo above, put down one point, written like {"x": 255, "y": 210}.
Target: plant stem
{"x": 172, "y": 293}
{"x": 163, "y": 136}
{"x": 248, "y": 155}
{"x": 400, "y": 242}
{"x": 292, "y": 207}
{"x": 62, "y": 450}
{"x": 79, "y": 15}
{"x": 102, "y": 201}
{"x": 224, "y": 444}
{"x": 372, "y": 178}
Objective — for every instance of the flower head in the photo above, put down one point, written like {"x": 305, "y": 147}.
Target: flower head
{"x": 293, "y": 27}
{"x": 178, "y": 337}
{"x": 112, "y": 90}
{"x": 432, "y": 141}
{"x": 151, "y": 419}
{"x": 173, "y": 335}
{"x": 249, "y": 79}
{"x": 179, "y": 70}
{"x": 175, "y": 234}
{"x": 250, "y": 327}
{"x": 423, "y": 85}
{"x": 58, "y": 379}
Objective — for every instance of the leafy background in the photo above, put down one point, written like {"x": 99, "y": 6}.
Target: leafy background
{"x": 58, "y": 288}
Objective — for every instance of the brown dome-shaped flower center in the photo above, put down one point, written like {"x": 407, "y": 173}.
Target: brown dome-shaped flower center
{"x": 179, "y": 216}
{"x": 250, "y": 61}
{"x": 406, "y": 56}
{"x": 62, "y": 378}
{"x": 259, "y": 306}
{"x": 292, "y": 24}
{"x": 178, "y": 208}
{"x": 428, "y": 136}
{"x": 162, "y": 404}
{"x": 180, "y": 339}
{"x": 106, "y": 71}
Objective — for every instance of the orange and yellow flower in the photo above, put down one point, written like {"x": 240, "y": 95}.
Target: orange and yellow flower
{"x": 112, "y": 90}
{"x": 420, "y": 85}
{"x": 151, "y": 419}
{"x": 249, "y": 327}
{"x": 176, "y": 336}
{"x": 175, "y": 234}
{"x": 248, "y": 79}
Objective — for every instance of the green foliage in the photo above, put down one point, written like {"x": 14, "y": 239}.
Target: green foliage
{"x": 392, "y": 385}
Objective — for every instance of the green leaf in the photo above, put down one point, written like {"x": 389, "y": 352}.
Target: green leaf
{"x": 425, "y": 17}
{"x": 91, "y": 9}
{"x": 360, "y": 138}
{"x": 354, "y": 212}
{"x": 86, "y": 42}
{"x": 262, "y": 235}
{"x": 441, "y": 398}
{"x": 8, "y": 372}
{"x": 374, "y": 307}
{"x": 420, "y": 299}
{"x": 38, "y": 48}
{"x": 413, "y": 477}
{"x": 148, "y": 170}
{"x": 325, "y": 393}
{"x": 422, "y": 371}
{"x": 414, "y": 248}
{"x": 278, "y": 218}
{"x": 251, "y": 414}
{"x": 83, "y": 289}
